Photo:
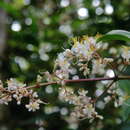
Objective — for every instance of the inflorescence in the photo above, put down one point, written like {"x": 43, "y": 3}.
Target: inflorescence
{"x": 84, "y": 60}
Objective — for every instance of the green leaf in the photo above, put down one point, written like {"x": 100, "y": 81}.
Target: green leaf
{"x": 125, "y": 111}
{"x": 124, "y": 85}
{"x": 9, "y": 8}
{"x": 115, "y": 35}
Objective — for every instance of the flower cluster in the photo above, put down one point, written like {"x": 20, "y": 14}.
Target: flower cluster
{"x": 83, "y": 60}
{"x": 82, "y": 56}
{"x": 115, "y": 94}
{"x": 83, "y": 105}
{"x": 16, "y": 90}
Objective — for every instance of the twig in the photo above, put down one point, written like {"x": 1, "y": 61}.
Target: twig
{"x": 41, "y": 84}
{"x": 115, "y": 78}
{"x": 104, "y": 91}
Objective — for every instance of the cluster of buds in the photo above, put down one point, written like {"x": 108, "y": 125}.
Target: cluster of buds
{"x": 17, "y": 91}
{"x": 82, "y": 56}
{"x": 115, "y": 94}
{"x": 83, "y": 105}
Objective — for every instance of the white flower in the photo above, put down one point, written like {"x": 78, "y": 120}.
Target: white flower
{"x": 118, "y": 102}
{"x": 125, "y": 53}
{"x": 13, "y": 84}
{"x": 89, "y": 111}
{"x": 5, "y": 100}
{"x": 62, "y": 62}
{"x": 34, "y": 105}
{"x": 68, "y": 53}
{"x": 98, "y": 67}
{"x": 67, "y": 94}
{"x": 62, "y": 74}
{"x": 75, "y": 77}
{"x": 48, "y": 76}
{"x": 107, "y": 60}
{"x": 82, "y": 50}
{"x": 39, "y": 78}
{"x": 86, "y": 47}
{"x": 84, "y": 68}
{"x": 107, "y": 99}
{"x": 18, "y": 102}
{"x": 82, "y": 92}
{"x": 35, "y": 95}
{"x": 18, "y": 98}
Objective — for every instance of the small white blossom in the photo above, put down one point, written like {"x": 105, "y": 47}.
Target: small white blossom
{"x": 82, "y": 50}
{"x": 75, "y": 77}
{"x": 13, "y": 84}
{"x": 5, "y": 100}
{"x": 89, "y": 111}
{"x": 39, "y": 78}
{"x": 35, "y": 95}
{"x": 84, "y": 68}
{"x": 48, "y": 76}
{"x": 34, "y": 105}
{"x": 107, "y": 60}
{"x": 118, "y": 102}
{"x": 98, "y": 67}
{"x": 82, "y": 92}
{"x": 62, "y": 62}
{"x": 62, "y": 74}
{"x": 125, "y": 53}
{"x": 68, "y": 53}
{"x": 107, "y": 99}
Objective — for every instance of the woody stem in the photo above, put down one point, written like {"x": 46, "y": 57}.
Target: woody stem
{"x": 81, "y": 80}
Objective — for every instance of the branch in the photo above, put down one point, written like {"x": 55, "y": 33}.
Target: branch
{"x": 81, "y": 80}
{"x": 38, "y": 85}
{"x": 105, "y": 91}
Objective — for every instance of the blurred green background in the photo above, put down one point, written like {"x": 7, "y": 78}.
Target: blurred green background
{"x": 32, "y": 33}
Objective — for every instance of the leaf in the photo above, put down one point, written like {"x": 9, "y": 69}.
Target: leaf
{"x": 9, "y": 8}
{"x": 124, "y": 85}
{"x": 115, "y": 35}
{"x": 125, "y": 111}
